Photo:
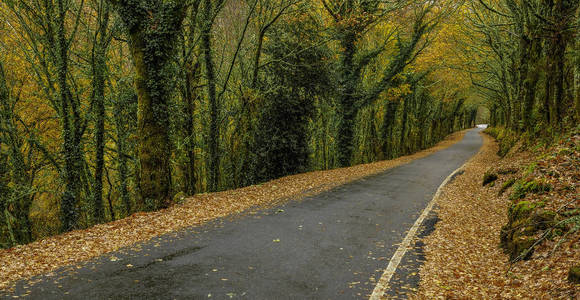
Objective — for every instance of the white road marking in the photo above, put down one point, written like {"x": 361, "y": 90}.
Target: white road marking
{"x": 383, "y": 283}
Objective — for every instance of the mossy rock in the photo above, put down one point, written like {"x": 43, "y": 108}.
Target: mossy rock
{"x": 506, "y": 185}
{"x": 525, "y": 220}
{"x": 523, "y": 187}
{"x": 522, "y": 210}
{"x": 521, "y": 245}
{"x": 543, "y": 219}
{"x": 574, "y": 274}
{"x": 489, "y": 178}
{"x": 504, "y": 236}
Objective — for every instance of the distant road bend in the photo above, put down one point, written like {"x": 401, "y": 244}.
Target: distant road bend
{"x": 334, "y": 245}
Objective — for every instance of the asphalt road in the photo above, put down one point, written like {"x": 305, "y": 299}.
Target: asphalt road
{"x": 334, "y": 245}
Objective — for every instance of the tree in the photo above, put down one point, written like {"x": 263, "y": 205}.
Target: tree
{"x": 352, "y": 19}
{"x": 101, "y": 42}
{"x": 190, "y": 75}
{"x": 281, "y": 135}
{"x": 214, "y": 134}
{"x": 153, "y": 27}
{"x": 15, "y": 172}
{"x": 541, "y": 31}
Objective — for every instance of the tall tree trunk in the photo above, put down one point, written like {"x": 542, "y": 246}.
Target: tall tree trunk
{"x": 523, "y": 82}
{"x": 189, "y": 110}
{"x": 530, "y": 84}
{"x": 99, "y": 86}
{"x": 99, "y": 77}
{"x": 559, "y": 93}
{"x": 214, "y": 135}
{"x": 72, "y": 173}
{"x": 405, "y": 115}
{"x": 123, "y": 175}
{"x": 122, "y": 133}
{"x": 347, "y": 107}
{"x": 153, "y": 28}
{"x": 152, "y": 124}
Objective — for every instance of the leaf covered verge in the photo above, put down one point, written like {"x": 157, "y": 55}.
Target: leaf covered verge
{"x": 529, "y": 210}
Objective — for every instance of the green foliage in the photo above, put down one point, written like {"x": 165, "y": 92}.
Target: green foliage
{"x": 281, "y": 136}
{"x": 525, "y": 64}
{"x": 530, "y": 169}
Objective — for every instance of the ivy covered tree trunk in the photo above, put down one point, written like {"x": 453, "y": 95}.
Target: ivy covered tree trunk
{"x": 189, "y": 110}
{"x": 282, "y": 142}
{"x": 562, "y": 15}
{"x": 530, "y": 83}
{"x": 558, "y": 51}
{"x": 100, "y": 45}
{"x": 347, "y": 109}
{"x": 6, "y": 240}
{"x": 280, "y": 137}
{"x": 125, "y": 118}
{"x": 99, "y": 102}
{"x": 559, "y": 92}
{"x": 153, "y": 27}
{"x": 70, "y": 130}
{"x": 214, "y": 135}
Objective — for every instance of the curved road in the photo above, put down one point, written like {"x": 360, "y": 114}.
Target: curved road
{"x": 334, "y": 245}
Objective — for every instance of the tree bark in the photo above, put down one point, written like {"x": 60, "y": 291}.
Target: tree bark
{"x": 153, "y": 28}
{"x": 99, "y": 76}
{"x": 72, "y": 157}
{"x": 214, "y": 135}
{"x": 347, "y": 107}
{"x": 189, "y": 110}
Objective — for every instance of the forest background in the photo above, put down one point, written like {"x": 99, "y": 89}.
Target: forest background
{"x": 110, "y": 107}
